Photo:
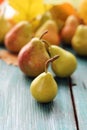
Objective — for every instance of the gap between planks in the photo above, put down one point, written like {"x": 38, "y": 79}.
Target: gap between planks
{"x": 73, "y": 103}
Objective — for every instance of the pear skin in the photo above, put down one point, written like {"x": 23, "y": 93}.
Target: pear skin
{"x": 79, "y": 40}
{"x": 69, "y": 29}
{"x": 66, "y": 64}
{"x": 32, "y": 57}
{"x": 45, "y": 17}
{"x": 5, "y": 26}
{"x": 52, "y": 36}
{"x": 18, "y": 36}
{"x": 44, "y": 88}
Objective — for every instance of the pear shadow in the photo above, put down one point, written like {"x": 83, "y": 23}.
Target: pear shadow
{"x": 63, "y": 81}
{"x": 28, "y": 80}
{"x": 52, "y": 108}
{"x": 46, "y": 108}
{"x": 81, "y": 57}
{"x": 2, "y": 46}
{"x": 65, "y": 45}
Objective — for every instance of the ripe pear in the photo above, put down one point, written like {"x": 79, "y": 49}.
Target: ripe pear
{"x": 52, "y": 36}
{"x": 66, "y": 64}
{"x": 32, "y": 57}
{"x": 79, "y": 40}
{"x": 45, "y": 17}
{"x": 18, "y": 36}
{"x": 44, "y": 88}
{"x": 69, "y": 29}
{"x": 39, "y": 20}
{"x": 5, "y": 26}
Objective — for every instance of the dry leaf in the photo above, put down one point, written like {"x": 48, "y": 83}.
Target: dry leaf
{"x": 8, "y": 57}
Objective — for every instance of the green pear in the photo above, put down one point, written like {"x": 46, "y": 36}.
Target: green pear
{"x": 18, "y": 36}
{"x": 32, "y": 57}
{"x": 44, "y": 88}
{"x": 5, "y": 26}
{"x": 79, "y": 40}
{"x": 66, "y": 64}
{"x": 52, "y": 36}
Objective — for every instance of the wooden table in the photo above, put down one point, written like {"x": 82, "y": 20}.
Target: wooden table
{"x": 19, "y": 111}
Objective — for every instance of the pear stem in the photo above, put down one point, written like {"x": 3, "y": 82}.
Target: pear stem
{"x": 50, "y": 60}
{"x": 43, "y": 34}
{"x": 46, "y": 42}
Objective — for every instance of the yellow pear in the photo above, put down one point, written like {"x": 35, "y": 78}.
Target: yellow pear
{"x": 44, "y": 88}
{"x": 66, "y": 64}
{"x": 79, "y": 40}
{"x": 5, "y": 26}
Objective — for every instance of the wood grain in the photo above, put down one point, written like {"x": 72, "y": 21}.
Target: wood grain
{"x": 80, "y": 91}
{"x": 19, "y": 111}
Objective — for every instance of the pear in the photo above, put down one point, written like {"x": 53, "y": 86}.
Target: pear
{"x": 39, "y": 20}
{"x": 66, "y": 64}
{"x": 44, "y": 88}
{"x": 45, "y": 17}
{"x": 5, "y": 26}
{"x": 52, "y": 36}
{"x": 79, "y": 40}
{"x": 69, "y": 29}
{"x": 18, "y": 36}
{"x": 32, "y": 57}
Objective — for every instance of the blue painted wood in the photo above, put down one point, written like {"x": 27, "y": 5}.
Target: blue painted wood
{"x": 19, "y": 111}
{"x": 80, "y": 91}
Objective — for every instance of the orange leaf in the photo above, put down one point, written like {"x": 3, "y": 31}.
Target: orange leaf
{"x": 8, "y": 57}
{"x": 62, "y": 11}
{"x": 1, "y": 1}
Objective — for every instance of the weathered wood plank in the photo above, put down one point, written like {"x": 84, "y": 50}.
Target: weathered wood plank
{"x": 19, "y": 111}
{"x": 80, "y": 91}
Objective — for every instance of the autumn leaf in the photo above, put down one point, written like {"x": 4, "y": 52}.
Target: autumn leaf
{"x": 8, "y": 57}
{"x": 28, "y": 9}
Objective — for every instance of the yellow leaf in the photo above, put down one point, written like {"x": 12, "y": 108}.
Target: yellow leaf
{"x": 28, "y": 9}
